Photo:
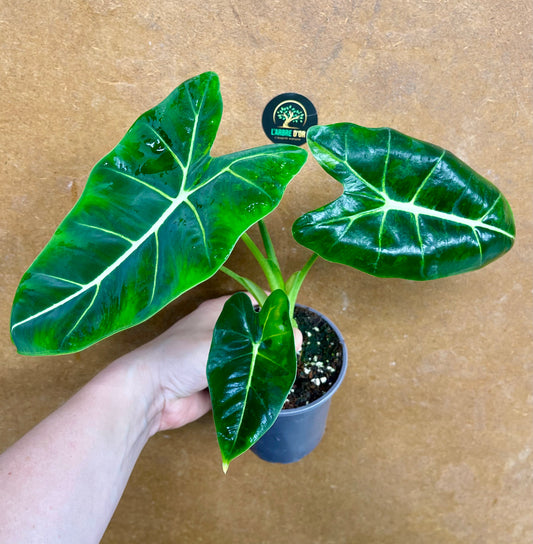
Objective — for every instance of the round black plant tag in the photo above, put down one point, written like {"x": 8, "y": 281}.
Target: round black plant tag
{"x": 287, "y": 117}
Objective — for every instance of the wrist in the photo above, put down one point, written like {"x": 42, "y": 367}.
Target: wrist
{"x": 156, "y": 402}
{"x": 134, "y": 393}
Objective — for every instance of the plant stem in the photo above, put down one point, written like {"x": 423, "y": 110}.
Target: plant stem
{"x": 254, "y": 289}
{"x": 295, "y": 282}
{"x": 267, "y": 242}
{"x": 269, "y": 267}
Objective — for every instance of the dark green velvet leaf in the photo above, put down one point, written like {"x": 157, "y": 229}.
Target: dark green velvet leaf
{"x": 409, "y": 209}
{"x": 251, "y": 368}
{"x": 158, "y": 216}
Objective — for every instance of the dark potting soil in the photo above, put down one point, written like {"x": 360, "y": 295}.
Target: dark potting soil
{"x": 319, "y": 361}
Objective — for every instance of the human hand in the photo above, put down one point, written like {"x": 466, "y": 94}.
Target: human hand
{"x": 174, "y": 366}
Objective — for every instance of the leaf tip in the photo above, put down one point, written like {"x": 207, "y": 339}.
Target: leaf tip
{"x": 225, "y": 466}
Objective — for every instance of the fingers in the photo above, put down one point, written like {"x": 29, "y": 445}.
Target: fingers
{"x": 298, "y": 339}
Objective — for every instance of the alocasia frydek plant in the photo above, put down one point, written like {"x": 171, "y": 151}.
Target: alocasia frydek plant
{"x": 159, "y": 216}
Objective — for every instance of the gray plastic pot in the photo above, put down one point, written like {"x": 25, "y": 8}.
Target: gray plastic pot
{"x": 298, "y": 431}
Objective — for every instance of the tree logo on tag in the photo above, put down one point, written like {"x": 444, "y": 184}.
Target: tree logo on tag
{"x": 287, "y": 117}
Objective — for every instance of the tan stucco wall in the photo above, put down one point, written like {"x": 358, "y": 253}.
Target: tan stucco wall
{"x": 429, "y": 438}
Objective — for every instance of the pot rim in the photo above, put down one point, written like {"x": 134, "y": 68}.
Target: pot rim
{"x": 326, "y": 397}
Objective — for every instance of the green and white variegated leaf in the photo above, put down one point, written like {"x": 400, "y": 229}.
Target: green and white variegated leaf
{"x": 158, "y": 216}
{"x": 409, "y": 209}
{"x": 251, "y": 368}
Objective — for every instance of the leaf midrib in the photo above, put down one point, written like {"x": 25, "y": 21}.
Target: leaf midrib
{"x": 416, "y": 210}
{"x": 180, "y": 198}
{"x": 97, "y": 281}
{"x": 255, "y": 351}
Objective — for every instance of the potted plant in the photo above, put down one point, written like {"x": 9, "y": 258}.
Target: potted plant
{"x": 159, "y": 216}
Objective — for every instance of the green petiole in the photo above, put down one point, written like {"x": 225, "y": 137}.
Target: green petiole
{"x": 272, "y": 271}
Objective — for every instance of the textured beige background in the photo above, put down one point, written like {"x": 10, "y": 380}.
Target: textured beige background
{"x": 430, "y": 437}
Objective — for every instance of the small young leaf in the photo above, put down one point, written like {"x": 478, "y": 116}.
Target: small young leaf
{"x": 251, "y": 368}
{"x": 409, "y": 209}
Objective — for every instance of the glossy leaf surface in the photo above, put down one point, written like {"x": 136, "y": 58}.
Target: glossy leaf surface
{"x": 158, "y": 216}
{"x": 409, "y": 209}
{"x": 251, "y": 368}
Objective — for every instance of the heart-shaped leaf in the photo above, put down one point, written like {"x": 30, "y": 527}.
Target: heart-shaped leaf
{"x": 251, "y": 368}
{"x": 409, "y": 209}
{"x": 158, "y": 216}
